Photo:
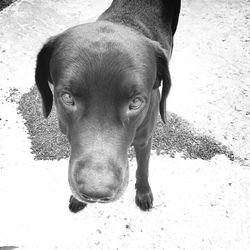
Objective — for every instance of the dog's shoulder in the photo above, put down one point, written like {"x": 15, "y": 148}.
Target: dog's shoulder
{"x": 150, "y": 17}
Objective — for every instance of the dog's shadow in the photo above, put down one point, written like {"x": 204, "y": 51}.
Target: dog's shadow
{"x": 178, "y": 135}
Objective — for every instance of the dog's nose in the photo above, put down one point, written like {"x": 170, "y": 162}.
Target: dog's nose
{"x": 97, "y": 183}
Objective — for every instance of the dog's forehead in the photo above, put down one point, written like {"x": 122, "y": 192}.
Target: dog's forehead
{"x": 102, "y": 38}
{"x": 100, "y": 54}
{"x": 100, "y": 31}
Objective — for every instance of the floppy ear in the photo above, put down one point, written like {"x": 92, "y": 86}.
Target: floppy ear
{"x": 163, "y": 76}
{"x": 42, "y": 76}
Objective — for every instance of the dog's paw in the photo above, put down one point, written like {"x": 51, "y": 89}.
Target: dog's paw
{"x": 75, "y": 205}
{"x": 144, "y": 200}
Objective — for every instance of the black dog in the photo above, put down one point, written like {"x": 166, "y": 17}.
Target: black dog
{"x": 106, "y": 77}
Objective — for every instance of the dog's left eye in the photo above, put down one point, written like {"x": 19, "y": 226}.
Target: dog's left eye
{"x": 68, "y": 99}
{"x": 135, "y": 103}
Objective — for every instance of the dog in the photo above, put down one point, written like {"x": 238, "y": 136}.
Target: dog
{"x": 106, "y": 77}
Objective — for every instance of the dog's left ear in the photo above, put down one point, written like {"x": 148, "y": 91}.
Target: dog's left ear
{"x": 163, "y": 75}
{"x": 42, "y": 76}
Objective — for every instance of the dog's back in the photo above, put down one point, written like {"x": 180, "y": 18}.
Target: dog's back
{"x": 156, "y": 19}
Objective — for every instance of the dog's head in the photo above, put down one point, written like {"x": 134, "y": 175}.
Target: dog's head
{"x": 105, "y": 80}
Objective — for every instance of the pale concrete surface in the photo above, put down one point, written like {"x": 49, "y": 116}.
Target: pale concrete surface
{"x": 198, "y": 204}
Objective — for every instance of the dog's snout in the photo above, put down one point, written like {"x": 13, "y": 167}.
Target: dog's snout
{"x": 97, "y": 182}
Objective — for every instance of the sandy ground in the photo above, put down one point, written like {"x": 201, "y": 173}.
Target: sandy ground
{"x": 198, "y": 204}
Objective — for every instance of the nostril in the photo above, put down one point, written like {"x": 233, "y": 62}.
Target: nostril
{"x": 105, "y": 199}
{"x": 85, "y": 196}
{"x": 95, "y": 198}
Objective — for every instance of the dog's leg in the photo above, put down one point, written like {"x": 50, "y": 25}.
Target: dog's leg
{"x": 75, "y": 205}
{"x": 144, "y": 196}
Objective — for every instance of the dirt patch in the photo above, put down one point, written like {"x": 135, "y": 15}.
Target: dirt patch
{"x": 177, "y": 136}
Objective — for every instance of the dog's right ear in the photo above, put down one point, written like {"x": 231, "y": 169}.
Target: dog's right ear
{"x": 42, "y": 76}
{"x": 163, "y": 76}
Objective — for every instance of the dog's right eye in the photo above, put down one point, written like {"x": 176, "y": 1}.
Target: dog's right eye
{"x": 135, "y": 103}
{"x": 68, "y": 99}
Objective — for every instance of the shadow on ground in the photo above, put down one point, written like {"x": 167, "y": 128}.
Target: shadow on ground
{"x": 8, "y": 248}
{"x": 177, "y": 136}
{"x": 4, "y": 4}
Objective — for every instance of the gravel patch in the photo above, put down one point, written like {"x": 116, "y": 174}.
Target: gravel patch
{"x": 177, "y": 136}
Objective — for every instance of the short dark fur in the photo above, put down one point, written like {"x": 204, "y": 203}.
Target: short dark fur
{"x": 104, "y": 67}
